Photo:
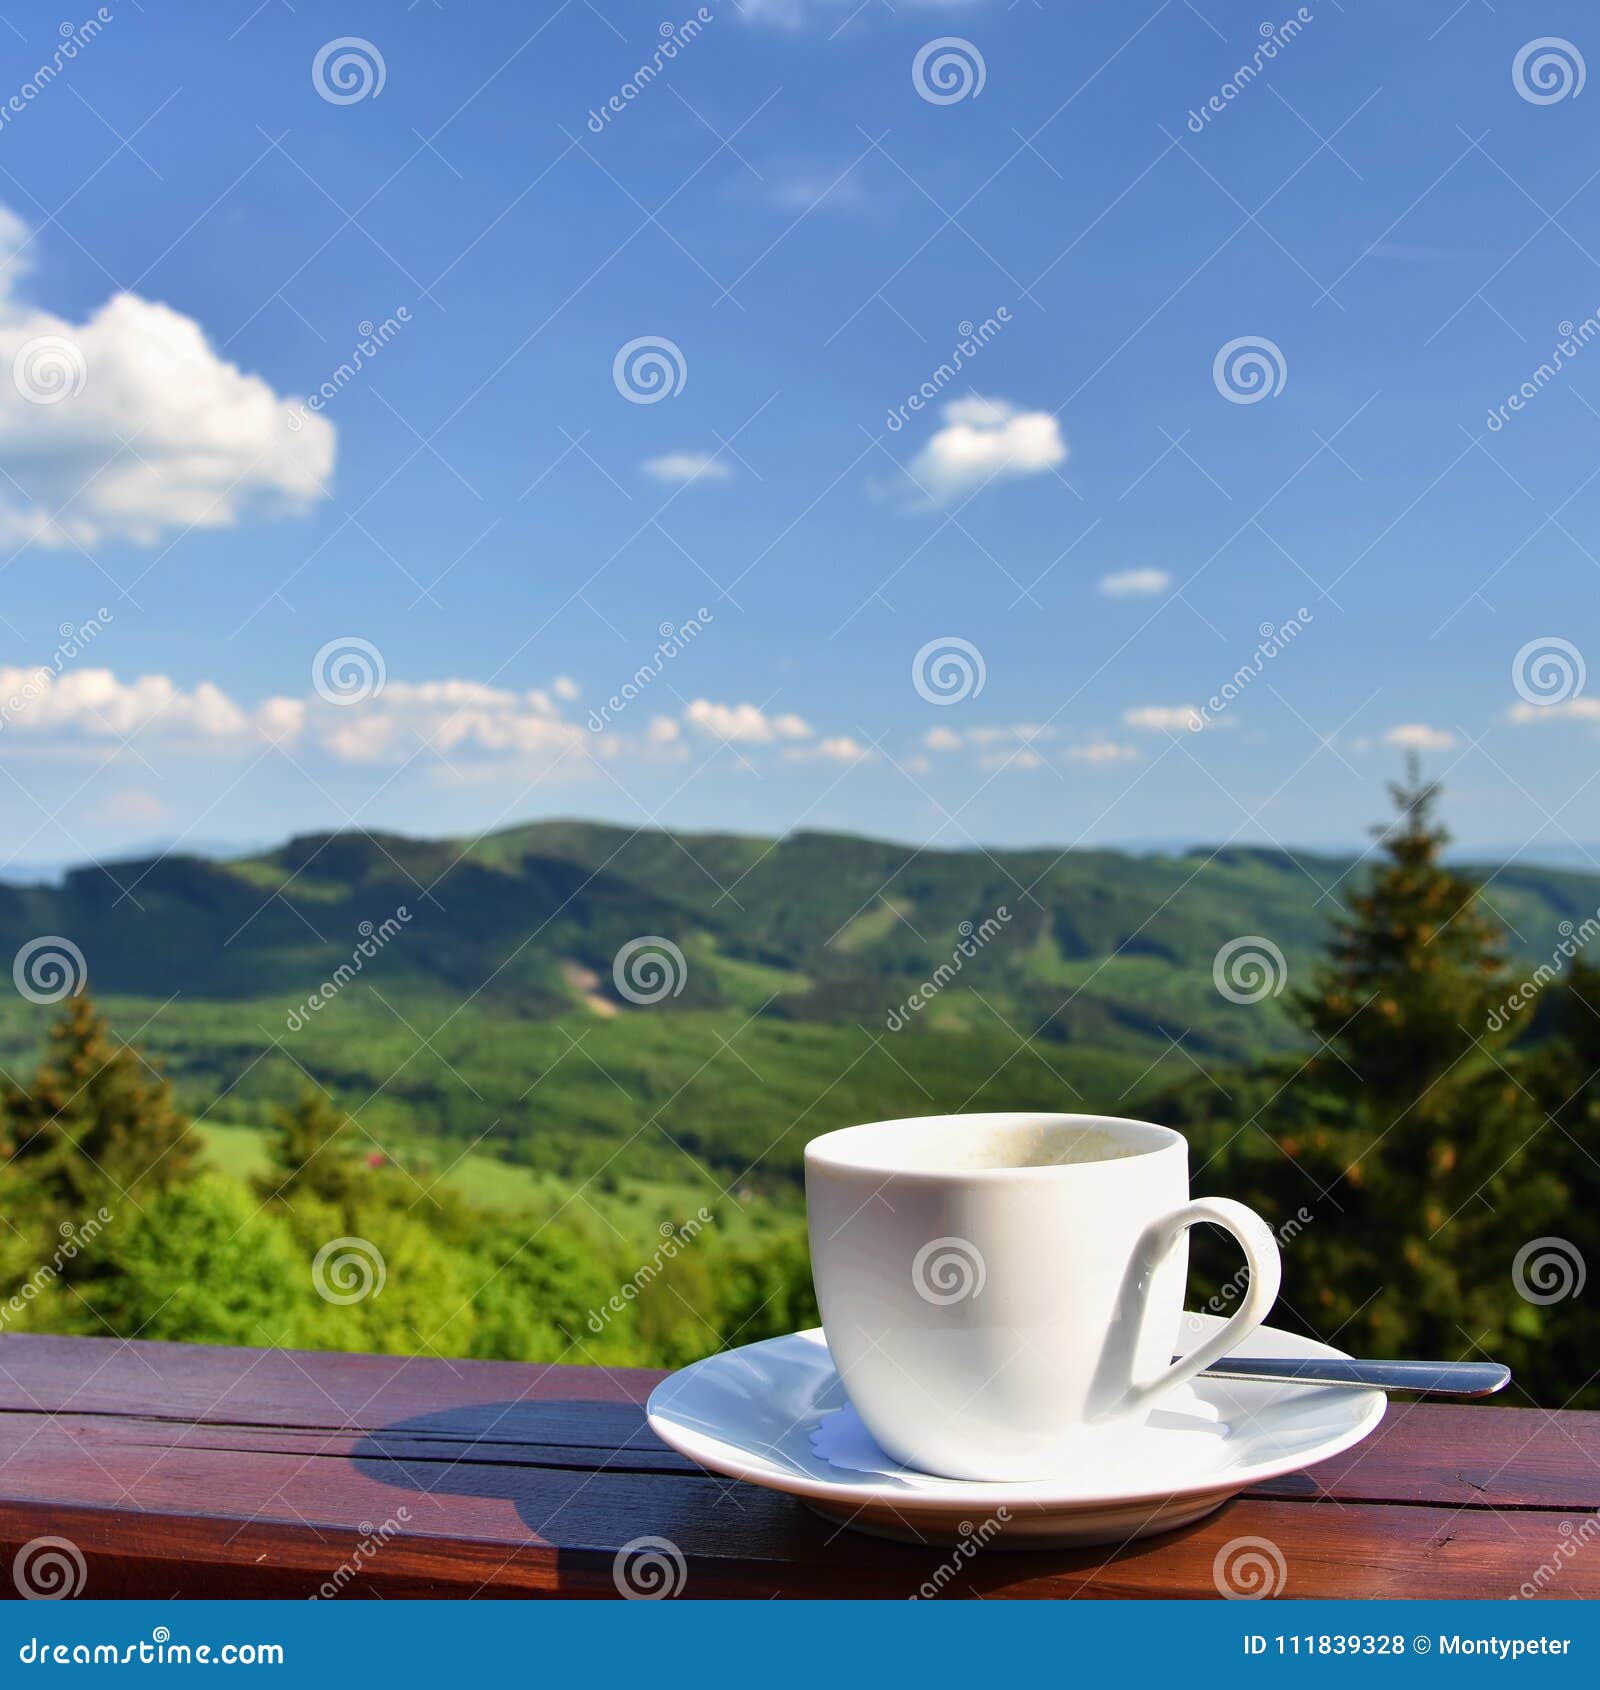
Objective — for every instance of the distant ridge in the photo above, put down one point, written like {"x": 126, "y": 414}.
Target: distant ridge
{"x": 1586, "y": 858}
{"x": 476, "y": 989}
{"x": 1106, "y": 943}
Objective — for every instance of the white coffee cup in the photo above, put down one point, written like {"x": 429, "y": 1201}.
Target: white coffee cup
{"x": 999, "y": 1290}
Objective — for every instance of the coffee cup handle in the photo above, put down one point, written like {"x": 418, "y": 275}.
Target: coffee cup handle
{"x": 1266, "y": 1270}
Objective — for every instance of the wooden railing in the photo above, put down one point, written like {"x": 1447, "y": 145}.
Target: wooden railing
{"x": 180, "y": 1470}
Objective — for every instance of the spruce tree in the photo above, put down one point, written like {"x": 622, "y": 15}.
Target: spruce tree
{"x": 1420, "y": 1132}
{"x": 313, "y": 1153}
{"x": 97, "y": 1125}
{"x": 1416, "y": 966}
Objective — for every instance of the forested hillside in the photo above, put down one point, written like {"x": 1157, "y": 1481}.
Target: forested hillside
{"x": 544, "y": 1095}
{"x": 466, "y": 975}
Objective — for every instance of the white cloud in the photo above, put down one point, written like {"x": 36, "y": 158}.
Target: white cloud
{"x": 1102, "y": 751}
{"x": 1164, "y": 718}
{"x": 841, "y": 748}
{"x": 1135, "y": 583}
{"x": 801, "y": 185}
{"x": 1418, "y": 736}
{"x": 682, "y": 467}
{"x": 795, "y": 14}
{"x": 998, "y": 741}
{"x": 1025, "y": 732}
{"x": 972, "y": 410}
{"x": 282, "y": 719}
{"x": 463, "y": 718}
{"x": 1021, "y": 758}
{"x": 133, "y": 805}
{"x": 744, "y": 724}
{"x": 129, "y": 425}
{"x": 1569, "y": 710}
{"x": 986, "y": 440}
{"x": 359, "y": 736}
{"x": 93, "y": 704}
{"x": 462, "y": 728}
{"x": 563, "y": 686}
{"x": 784, "y": 14}
{"x": 455, "y": 717}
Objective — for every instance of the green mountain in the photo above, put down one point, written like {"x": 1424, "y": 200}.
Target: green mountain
{"x": 469, "y": 990}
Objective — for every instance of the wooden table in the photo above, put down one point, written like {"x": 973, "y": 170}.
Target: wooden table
{"x": 181, "y": 1470}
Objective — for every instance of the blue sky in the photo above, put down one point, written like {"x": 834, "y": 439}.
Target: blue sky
{"x": 196, "y": 236}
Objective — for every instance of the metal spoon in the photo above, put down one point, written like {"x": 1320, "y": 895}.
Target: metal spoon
{"x": 1426, "y": 1378}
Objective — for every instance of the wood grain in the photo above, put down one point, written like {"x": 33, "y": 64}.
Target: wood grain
{"x": 194, "y": 1471}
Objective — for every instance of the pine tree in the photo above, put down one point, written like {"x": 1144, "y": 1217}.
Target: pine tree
{"x": 313, "y": 1153}
{"x": 1416, "y": 968}
{"x": 97, "y": 1125}
{"x": 1409, "y": 1117}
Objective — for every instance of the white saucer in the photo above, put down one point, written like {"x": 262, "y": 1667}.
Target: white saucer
{"x": 776, "y": 1415}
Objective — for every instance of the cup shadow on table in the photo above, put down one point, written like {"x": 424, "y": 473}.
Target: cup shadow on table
{"x": 588, "y": 1477}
